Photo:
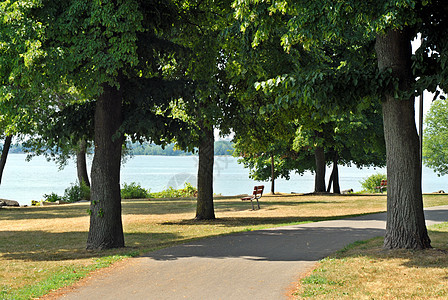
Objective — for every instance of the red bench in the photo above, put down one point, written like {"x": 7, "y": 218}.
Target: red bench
{"x": 257, "y": 193}
{"x": 383, "y": 186}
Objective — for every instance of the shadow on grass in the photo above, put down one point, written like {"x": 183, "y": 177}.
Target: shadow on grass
{"x": 271, "y": 203}
{"x": 436, "y": 257}
{"x": 141, "y": 207}
{"x": 48, "y": 246}
{"x": 45, "y": 212}
{"x": 261, "y": 221}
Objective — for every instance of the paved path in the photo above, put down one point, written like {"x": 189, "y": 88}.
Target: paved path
{"x": 253, "y": 265}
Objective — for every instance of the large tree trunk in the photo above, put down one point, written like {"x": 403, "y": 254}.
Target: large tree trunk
{"x": 319, "y": 179}
{"x": 5, "y": 151}
{"x": 205, "y": 209}
{"x": 405, "y": 219}
{"x": 106, "y": 229}
{"x": 81, "y": 163}
{"x": 272, "y": 175}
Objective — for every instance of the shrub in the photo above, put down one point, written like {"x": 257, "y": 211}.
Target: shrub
{"x": 77, "y": 192}
{"x": 133, "y": 191}
{"x": 187, "y": 191}
{"x": 370, "y": 183}
{"x": 53, "y": 197}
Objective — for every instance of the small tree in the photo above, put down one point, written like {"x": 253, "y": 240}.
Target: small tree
{"x": 435, "y": 138}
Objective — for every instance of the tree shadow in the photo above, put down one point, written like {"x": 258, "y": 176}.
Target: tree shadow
{"x": 260, "y": 221}
{"x": 44, "y": 212}
{"x": 284, "y": 244}
{"x": 142, "y": 207}
{"x": 49, "y": 246}
{"x": 436, "y": 215}
{"x": 436, "y": 257}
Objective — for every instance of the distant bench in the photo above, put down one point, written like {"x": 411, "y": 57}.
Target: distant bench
{"x": 382, "y": 186}
{"x": 257, "y": 193}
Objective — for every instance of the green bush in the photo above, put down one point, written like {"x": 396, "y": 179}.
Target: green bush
{"x": 370, "y": 183}
{"x": 77, "y": 192}
{"x": 133, "y": 191}
{"x": 53, "y": 197}
{"x": 73, "y": 193}
{"x": 187, "y": 191}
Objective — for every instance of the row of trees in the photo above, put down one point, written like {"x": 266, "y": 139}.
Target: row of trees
{"x": 300, "y": 83}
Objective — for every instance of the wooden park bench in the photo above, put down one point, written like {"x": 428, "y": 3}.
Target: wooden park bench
{"x": 257, "y": 193}
{"x": 383, "y": 186}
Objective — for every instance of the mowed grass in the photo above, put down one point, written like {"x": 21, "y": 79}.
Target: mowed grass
{"x": 43, "y": 248}
{"x": 364, "y": 270}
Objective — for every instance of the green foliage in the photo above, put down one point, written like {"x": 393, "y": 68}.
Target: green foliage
{"x": 224, "y": 148}
{"x": 136, "y": 191}
{"x": 133, "y": 191}
{"x": 370, "y": 183}
{"x": 73, "y": 193}
{"x": 187, "y": 191}
{"x": 435, "y": 137}
{"x": 77, "y": 192}
{"x": 53, "y": 197}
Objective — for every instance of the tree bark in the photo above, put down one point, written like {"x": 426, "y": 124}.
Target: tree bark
{"x": 81, "y": 163}
{"x": 106, "y": 229}
{"x": 272, "y": 175}
{"x": 405, "y": 219}
{"x": 319, "y": 179}
{"x": 205, "y": 208}
{"x": 4, "y": 156}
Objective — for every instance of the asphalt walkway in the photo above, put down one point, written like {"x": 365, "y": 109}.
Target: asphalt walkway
{"x": 258, "y": 265}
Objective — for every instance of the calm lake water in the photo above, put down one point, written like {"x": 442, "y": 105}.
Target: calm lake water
{"x": 25, "y": 181}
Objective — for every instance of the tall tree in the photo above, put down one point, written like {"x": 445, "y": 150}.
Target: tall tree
{"x": 391, "y": 25}
{"x": 115, "y": 53}
{"x": 405, "y": 220}
{"x": 211, "y": 107}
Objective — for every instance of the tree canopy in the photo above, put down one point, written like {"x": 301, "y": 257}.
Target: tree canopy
{"x": 355, "y": 51}
{"x": 291, "y": 75}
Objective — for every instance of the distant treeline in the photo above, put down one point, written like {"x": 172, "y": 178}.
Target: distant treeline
{"x": 221, "y": 148}
{"x": 15, "y": 149}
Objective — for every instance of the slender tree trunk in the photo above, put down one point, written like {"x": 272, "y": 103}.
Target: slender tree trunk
{"x": 319, "y": 179}
{"x": 335, "y": 175}
{"x": 272, "y": 175}
{"x": 205, "y": 208}
{"x": 405, "y": 219}
{"x": 5, "y": 152}
{"x": 330, "y": 182}
{"x": 81, "y": 163}
{"x": 106, "y": 229}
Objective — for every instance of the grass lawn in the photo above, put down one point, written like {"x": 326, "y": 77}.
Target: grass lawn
{"x": 43, "y": 248}
{"x": 364, "y": 270}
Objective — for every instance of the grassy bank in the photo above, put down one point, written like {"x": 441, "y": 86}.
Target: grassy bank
{"x": 365, "y": 271}
{"x": 42, "y": 248}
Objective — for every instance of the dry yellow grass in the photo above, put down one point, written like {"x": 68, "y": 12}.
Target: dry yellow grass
{"x": 38, "y": 242}
{"x": 367, "y": 271}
